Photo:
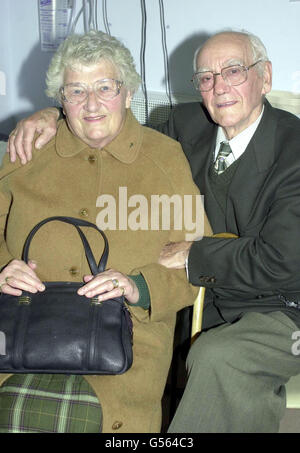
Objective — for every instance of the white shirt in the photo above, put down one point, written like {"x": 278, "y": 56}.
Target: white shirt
{"x": 239, "y": 143}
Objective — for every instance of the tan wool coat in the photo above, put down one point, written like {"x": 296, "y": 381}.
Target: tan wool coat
{"x": 66, "y": 178}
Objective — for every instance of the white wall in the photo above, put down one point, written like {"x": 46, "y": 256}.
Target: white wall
{"x": 188, "y": 22}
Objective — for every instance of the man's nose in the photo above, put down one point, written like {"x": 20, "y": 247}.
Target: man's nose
{"x": 220, "y": 85}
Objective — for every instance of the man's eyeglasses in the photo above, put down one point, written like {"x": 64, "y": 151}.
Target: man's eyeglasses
{"x": 233, "y": 75}
{"x": 105, "y": 89}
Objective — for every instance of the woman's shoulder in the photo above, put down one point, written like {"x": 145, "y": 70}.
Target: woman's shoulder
{"x": 161, "y": 147}
{"x": 8, "y": 168}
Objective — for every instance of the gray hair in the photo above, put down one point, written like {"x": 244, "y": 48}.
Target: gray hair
{"x": 89, "y": 49}
{"x": 257, "y": 47}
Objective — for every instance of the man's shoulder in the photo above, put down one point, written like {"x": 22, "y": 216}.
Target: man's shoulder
{"x": 190, "y": 122}
{"x": 288, "y": 126}
{"x": 283, "y": 117}
{"x": 291, "y": 122}
{"x": 157, "y": 143}
{"x": 191, "y": 109}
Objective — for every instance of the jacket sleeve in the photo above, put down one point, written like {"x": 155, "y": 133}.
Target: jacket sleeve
{"x": 168, "y": 127}
{"x": 266, "y": 257}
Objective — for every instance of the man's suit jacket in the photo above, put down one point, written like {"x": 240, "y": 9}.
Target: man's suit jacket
{"x": 260, "y": 270}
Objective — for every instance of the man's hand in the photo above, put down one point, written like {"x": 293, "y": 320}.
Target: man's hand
{"x": 174, "y": 254}
{"x": 20, "y": 142}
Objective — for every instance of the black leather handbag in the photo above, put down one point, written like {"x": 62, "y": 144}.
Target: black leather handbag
{"x": 59, "y": 331}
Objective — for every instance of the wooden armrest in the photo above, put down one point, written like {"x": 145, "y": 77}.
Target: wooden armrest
{"x": 199, "y": 301}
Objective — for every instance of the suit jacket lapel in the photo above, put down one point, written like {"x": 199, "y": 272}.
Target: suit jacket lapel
{"x": 201, "y": 157}
{"x": 256, "y": 161}
{"x": 201, "y": 160}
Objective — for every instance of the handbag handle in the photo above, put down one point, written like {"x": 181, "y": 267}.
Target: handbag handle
{"x": 88, "y": 252}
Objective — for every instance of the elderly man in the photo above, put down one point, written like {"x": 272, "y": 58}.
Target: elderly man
{"x": 245, "y": 158}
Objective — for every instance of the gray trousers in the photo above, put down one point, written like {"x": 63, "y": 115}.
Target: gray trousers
{"x": 236, "y": 376}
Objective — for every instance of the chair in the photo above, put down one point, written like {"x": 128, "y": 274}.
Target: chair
{"x": 293, "y": 385}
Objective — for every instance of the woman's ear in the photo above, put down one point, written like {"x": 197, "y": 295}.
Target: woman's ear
{"x": 128, "y": 99}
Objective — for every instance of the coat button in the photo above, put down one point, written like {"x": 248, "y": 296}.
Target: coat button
{"x": 92, "y": 159}
{"x": 206, "y": 279}
{"x": 73, "y": 270}
{"x": 117, "y": 425}
{"x": 84, "y": 212}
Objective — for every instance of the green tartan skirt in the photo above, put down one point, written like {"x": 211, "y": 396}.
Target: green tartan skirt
{"x": 49, "y": 403}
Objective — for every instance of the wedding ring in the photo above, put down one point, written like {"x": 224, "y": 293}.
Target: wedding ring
{"x": 115, "y": 282}
{"x": 123, "y": 290}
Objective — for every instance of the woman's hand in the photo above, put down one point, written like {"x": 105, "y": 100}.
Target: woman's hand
{"x": 20, "y": 142}
{"x": 18, "y": 276}
{"x": 110, "y": 284}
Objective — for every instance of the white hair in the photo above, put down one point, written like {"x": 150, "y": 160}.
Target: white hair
{"x": 90, "y": 49}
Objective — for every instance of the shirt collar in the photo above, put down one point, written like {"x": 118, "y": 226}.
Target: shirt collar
{"x": 125, "y": 147}
{"x": 239, "y": 143}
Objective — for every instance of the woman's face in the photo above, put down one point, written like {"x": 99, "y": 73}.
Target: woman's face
{"x": 94, "y": 121}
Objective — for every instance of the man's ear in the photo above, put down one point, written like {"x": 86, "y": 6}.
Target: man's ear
{"x": 267, "y": 77}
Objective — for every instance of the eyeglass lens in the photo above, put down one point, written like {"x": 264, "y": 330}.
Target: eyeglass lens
{"x": 104, "y": 90}
{"x": 233, "y": 75}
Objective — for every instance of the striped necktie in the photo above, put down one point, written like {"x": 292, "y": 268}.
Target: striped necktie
{"x": 220, "y": 163}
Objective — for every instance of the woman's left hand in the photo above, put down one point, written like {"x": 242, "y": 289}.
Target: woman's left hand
{"x": 109, "y": 284}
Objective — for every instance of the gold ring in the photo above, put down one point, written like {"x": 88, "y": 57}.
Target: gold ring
{"x": 115, "y": 282}
{"x": 122, "y": 289}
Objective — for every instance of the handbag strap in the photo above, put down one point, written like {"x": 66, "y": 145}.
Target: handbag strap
{"x": 88, "y": 252}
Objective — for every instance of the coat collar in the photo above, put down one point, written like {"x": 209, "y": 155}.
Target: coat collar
{"x": 125, "y": 147}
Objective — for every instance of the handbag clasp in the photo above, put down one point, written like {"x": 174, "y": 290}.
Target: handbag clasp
{"x": 95, "y": 301}
{"x": 24, "y": 300}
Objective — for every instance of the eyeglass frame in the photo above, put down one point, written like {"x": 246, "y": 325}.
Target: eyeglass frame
{"x": 61, "y": 90}
{"x": 246, "y": 69}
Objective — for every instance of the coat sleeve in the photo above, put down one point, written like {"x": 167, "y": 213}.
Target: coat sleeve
{"x": 5, "y": 202}
{"x": 169, "y": 289}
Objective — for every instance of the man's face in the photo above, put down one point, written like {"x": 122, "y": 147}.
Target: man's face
{"x": 233, "y": 107}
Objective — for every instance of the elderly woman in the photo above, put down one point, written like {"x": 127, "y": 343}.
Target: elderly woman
{"x": 98, "y": 150}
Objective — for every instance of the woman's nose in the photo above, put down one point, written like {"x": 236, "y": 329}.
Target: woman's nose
{"x": 92, "y": 102}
